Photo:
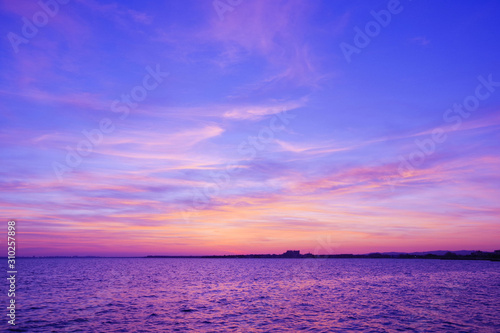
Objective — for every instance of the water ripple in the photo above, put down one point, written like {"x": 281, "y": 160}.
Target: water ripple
{"x": 257, "y": 295}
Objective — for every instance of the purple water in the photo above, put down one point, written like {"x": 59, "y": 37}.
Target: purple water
{"x": 257, "y": 295}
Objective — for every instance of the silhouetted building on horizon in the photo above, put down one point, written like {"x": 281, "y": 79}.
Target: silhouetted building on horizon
{"x": 291, "y": 254}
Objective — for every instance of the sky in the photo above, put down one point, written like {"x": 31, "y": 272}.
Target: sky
{"x": 133, "y": 128}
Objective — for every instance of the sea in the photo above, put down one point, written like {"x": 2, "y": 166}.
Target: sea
{"x": 255, "y": 295}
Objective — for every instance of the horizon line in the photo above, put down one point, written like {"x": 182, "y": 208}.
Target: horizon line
{"x": 251, "y": 254}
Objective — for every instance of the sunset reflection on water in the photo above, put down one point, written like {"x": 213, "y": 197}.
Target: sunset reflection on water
{"x": 238, "y": 295}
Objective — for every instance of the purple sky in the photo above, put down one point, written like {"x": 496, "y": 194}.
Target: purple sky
{"x": 220, "y": 127}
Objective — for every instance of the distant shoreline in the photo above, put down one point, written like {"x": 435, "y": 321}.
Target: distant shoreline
{"x": 474, "y": 255}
